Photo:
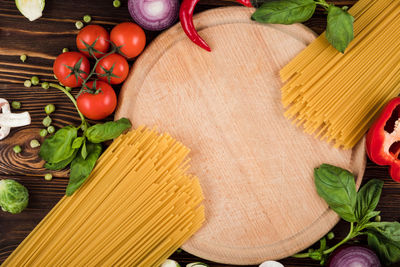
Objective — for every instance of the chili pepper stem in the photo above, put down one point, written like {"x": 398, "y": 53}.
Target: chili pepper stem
{"x": 59, "y": 87}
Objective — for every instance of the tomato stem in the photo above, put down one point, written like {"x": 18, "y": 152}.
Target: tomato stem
{"x": 59, "y": 87}
{"x": 93, "y": 71}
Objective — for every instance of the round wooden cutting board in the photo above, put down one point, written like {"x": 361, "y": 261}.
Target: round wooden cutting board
{"x": 255, "y": 167}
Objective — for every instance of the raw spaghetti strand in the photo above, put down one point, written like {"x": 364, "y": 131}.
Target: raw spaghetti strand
{"x": 337, "y": 96}
{"x": 136, "y": 208}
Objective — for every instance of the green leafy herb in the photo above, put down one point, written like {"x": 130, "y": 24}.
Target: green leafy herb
{"x": 285, "y": 11}
{"x": 339, "y": 29}
{"x": 107, "y": 131}
{"x": 338, "y": 188}
{"x": 58, "y": 147}
{"x": 78, "y": 142}
{"x": 81, "y": 168}
{"x": 387, "y": 249}
{"x": 62, "y": 164}
{"x": 367, "y": 200}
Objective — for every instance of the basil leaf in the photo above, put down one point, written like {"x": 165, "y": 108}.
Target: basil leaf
{"x": 284, "y": 11}
{"x": 78, "y": 142}
{"x": 84, "y": 152}
{"x": 102, "y": 132}
{"x": 81, "y": 168}
{"x": 58, "y": 147}
{"x": 60, "y": 165}
{"x": 337, "y": 187}
{"x": 390, "y": 230}
{"x": 339, "y": 29}
{"x": 384, "y": 238}
{"x": 367, "y": 200}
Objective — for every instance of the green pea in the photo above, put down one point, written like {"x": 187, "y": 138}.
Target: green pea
{"x": 23, "y": 57}
{"x": 17, "y": 149}
{"x": 47, "y": 121}
{"x": 330, "y": 235}
{"x": 16, "y": 105}
{"x": 28, "y": 83}
{"x": 51, "y": 129}
{"x": 34, "y": 143}
{"x": 64, "y": 50}
{"x": 87, "y": 18}
{"x": 35, "y": 80}
{"x": 48, "y": 176}
{"x": 116, "y": 3}
{"x": 378, "y": 218}
{"x": 45, "y": 85}
{"x": 49, "y": 109}
{"x": 43, "y": 132}
{"x": 79, "y": 24}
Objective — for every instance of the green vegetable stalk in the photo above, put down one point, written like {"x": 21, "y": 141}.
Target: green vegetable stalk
{"x": 14, "y": 197}
{"x": 337, "y": 187}
{"x": 80, "y": 146}
{"x": 339, "y": 30}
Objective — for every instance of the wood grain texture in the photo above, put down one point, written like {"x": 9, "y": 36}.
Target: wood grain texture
{"x": 230, "y": 115}
{"x": 42, "y": 40}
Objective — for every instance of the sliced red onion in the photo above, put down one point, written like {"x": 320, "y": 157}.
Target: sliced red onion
{"x": 154, "y": 15}
{"x": 354, "y": 256}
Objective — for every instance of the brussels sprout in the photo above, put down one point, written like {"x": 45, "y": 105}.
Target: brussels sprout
{"x": 13, "y": 196}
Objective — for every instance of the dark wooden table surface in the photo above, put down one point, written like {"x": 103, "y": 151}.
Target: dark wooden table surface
{"x": 42, "y": 41}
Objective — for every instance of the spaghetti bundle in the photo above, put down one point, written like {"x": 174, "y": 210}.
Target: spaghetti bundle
{"x": 337, "y": 96}
{"x": 137, "y": 207}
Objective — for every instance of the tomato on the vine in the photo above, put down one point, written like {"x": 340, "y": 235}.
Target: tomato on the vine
{"x": 113, "y": 69}
{"x": 71, "y": 68}
{"x": 93, "y": 38}
{"x": 99, "y": 104}
{"x": 129, "y": 37}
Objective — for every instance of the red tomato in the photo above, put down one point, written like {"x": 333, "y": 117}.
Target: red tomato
{"x": 97, "y": 106}
{"x": 71, "y": 68}
{"x": 113, "y": 69}
{"x": 130, "y": 37}
{"x": 91, "y": 34}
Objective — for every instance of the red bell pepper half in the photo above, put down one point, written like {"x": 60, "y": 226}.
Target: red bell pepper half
{"x": 383, "y": 138}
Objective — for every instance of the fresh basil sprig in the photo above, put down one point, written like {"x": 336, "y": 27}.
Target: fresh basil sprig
{"x": 79, "y": 147}
{"x": 337, "y": 187}
{"x": 339, "y": 30}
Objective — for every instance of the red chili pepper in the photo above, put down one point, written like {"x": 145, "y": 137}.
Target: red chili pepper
{"x": 383, "y": 138}
{"x": 186, "y": 18}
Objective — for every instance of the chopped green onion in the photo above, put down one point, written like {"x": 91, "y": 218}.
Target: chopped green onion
{"x": 51, "y": 129}
{"x": 64, "y": 50}
{"x": 23, "y": 57}
{"x": 116, "y": 3}
{"x": 47, "y": 121}
{"x": 17, "y": 149}
{"x": 35, "y": 80}
{"x": 49, "y": 109}
{"x": 45, "y": 85}
{"x": 43, "y": 132}
{"x": 48, "y": 176}
{"x": 28, "y": 83}
{"x": 34, "y": 143}
{"x": 16, "y": 105}
{"x": 87, "y": 18}
{"x": 79, "y": 24}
